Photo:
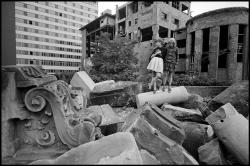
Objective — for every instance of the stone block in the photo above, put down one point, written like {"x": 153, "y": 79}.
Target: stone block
{"x": 177, "y": 95}
{"x": 191, "y": 102}
{"x": 237, "y": 94}
{"x": 196, "y": 136}
{"x": 163, "y": 122}
{"x": 183, "y": 114}
{"x": 82, "y": 79}
{"x": 211, "y": 153}
{"x": 106, "y": 112}
{"x": 119, "y": 148}
{"x": 163, "y": 148}
{"x": 232, "y": 129}
{"x": 148, "y": 159}
{"x": 118, "y": 94}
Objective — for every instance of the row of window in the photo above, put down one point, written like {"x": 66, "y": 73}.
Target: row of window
{"x": 24, "y": 52}
{"x": 40, "y": 24}
{"x": 30, "y": 45}
{"x": 67, "y": 9}
{"x": 56, "y": 20}
{"x": 41, "y": 32}
{"x": 46, "y": 62}
{"x": 59, "y": 71}
{"x": 28, "y": 37}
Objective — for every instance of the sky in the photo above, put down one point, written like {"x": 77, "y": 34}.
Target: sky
{"x": 196, "y": 7}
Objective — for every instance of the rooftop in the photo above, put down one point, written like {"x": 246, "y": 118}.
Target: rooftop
{"x": 218, "y": 11}
{"x": 95, "y": 22}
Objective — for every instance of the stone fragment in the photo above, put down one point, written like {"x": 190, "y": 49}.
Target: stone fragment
{"x": 211, "y": 153}
{"x": 119, "y": 148}
{"x": 183, "y": 114}
{"x": 107, "y": 113}
{"x": 177, "y": 95}
{"x": 191, "y": 102}
{"x": 232, "y": 129}
{"x": 118, "y": 94}
{"x": 237, "y": 94}
{"x": 82, "y": 79}
{"x": 196, "y": 136}
{"x": 164, "y": 122}
{"x": 148, "y": 159}
{"x": 164, "y": 149}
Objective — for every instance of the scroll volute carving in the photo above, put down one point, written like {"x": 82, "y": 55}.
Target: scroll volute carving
{"x": 71, "y": 127}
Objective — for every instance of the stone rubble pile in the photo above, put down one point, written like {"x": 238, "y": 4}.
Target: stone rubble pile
{"x": 134, "y": 126}
{"x": 175, "y": 128}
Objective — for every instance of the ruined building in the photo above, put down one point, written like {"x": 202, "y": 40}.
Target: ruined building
{"x": 151, "y": 19}
{"x": 104, "y": 23}
{"x": 215, "y": 44}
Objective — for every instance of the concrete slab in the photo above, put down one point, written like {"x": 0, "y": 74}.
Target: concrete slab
{"x": 119, "y": 148}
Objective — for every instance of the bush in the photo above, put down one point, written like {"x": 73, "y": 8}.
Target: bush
{"x": 114, "y": 60}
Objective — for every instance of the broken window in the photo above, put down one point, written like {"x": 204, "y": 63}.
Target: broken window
{"x": 164, "y": 16}
{"x": 172, "y": 34}
{"x": 129, "y": 23}
{"x": 184, "y": 9}
{"x": 205, "y": 50}
{"x": 176, "y": 4}
{"x": 148, "y": 3}
{"x": 134, "y": 6}
{"x": 176, "y": 22}
{"x": 182, "y": 56}
{"x": 121, "y": 27}
{"x": 147, "y": 34}
{"x": 241, "y": 35}
{"x": 223, "y": 47}
{"x": 130, "y": 35}
{"x": 122, "y": 13}
{"x": 181, "y": 43}
{"x": 136, "y": 20}
{"x": 163, "y": 32}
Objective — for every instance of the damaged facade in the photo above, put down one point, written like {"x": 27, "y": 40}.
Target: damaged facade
{"x": 215, "y": 44}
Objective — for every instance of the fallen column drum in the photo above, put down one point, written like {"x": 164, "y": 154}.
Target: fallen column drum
{"x": 177, "y": 95}
{"x": 233, "y": 131}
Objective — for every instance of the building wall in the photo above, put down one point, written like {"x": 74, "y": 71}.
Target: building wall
{"x": 47, "y": 33}
{"x": 151, "y": 16}
{"x": 8, "y": 36}
{"x": 213, "y": 20}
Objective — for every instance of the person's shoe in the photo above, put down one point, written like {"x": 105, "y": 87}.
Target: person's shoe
{"x": 163, "y": 88}
{"x": 169, "y": 89}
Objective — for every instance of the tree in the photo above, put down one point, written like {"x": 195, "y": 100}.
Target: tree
{"x": 114, "y": 59}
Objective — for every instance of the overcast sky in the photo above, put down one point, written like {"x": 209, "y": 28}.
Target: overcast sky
{"x": 196, "y": 7}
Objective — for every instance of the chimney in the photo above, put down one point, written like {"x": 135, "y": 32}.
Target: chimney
{"x": 106, "y": 11}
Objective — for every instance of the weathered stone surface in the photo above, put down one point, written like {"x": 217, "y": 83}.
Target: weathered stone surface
{"x": 211, "y": 153}
{"x": 232, "y": 129}
{"x": 119, "y": 148}
{"x": 148, "y": 159}
{"x": 118, "y": 94}
{"x": 237, "y": 95}
{"x": 82, "y": 79}
{"x": 183, "y": 114}
{"x": 163, "y": 122}
{"x": 196, "y": 136}
{"x": 177, "y": 95}
{"x": 107, "y": 113}
{"x": 164, "y": 149}
{"x": 27, "y": 76}
{"x": 79, "y": 98}
{"x": 191, "y": 102}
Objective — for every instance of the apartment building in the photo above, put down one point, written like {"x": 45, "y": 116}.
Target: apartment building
{"x": 47, "y": 33}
